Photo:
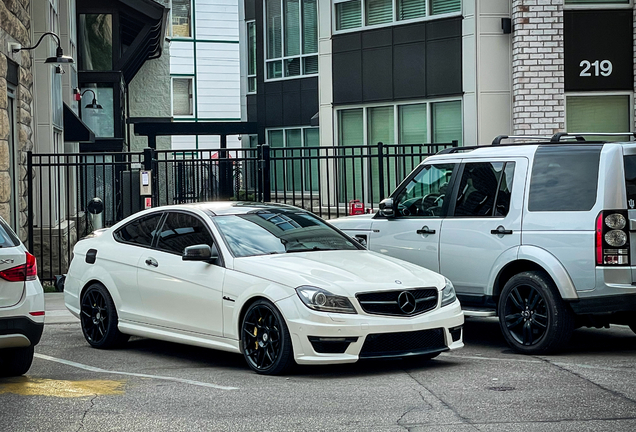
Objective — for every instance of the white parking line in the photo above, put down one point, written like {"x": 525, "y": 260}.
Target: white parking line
{"x": 95, "y": 369}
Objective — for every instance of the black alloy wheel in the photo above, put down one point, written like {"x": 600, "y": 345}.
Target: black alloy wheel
{"x": 266, "y": 344}
{"x": 532, "y": 316}
{"x": 99, "y": 319}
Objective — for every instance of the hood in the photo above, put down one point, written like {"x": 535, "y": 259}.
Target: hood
{"x": 340, "y": 272}
{"x": 358, "y": 222}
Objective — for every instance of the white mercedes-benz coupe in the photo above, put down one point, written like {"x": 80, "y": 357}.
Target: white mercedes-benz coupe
{"x": 271, "y": 281}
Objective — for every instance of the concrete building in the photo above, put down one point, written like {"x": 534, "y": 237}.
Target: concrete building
{"x": 413, "y": 71}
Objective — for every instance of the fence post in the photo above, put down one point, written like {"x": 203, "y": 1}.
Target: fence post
{"x": 29, "y": 200}
{"x": 265, "y": 167}
{"x": 380, "y": 169}
{"x": 149, "y": 159}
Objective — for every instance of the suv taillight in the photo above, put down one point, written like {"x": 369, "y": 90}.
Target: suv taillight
{"x": 24, "y": 272}
{"x": 612, "y": 238}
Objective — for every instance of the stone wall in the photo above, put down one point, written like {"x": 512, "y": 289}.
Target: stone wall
{"x": 538, "y": 79}
{"x": 15, "y": 27}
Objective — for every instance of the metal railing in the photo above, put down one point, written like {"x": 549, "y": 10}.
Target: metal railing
{"x": 324, "y": 180}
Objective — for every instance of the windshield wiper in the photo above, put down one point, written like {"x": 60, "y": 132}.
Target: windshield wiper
{"x": 315, "y": 248}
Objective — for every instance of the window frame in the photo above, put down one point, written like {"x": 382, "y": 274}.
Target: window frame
{"x": 191, "y": 22}
{"x": 627, "y": 93}
{"x": 301, "y": 56}
{"x": 593, "y": 6}
{"x": 191, "y": 78}
{"x": 303, "y": 174}
{"x": 394, "y": 21}
{"x": 248, "y": 48}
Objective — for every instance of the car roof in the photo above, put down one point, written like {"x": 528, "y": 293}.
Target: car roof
{"x": 220, "y": 208}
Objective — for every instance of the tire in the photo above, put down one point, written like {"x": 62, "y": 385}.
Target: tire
{"x": 532, "y": 316}
{"x": 15, "y": 361}
{"x": 99, "y": 320}
{"x": 265, "y": 340}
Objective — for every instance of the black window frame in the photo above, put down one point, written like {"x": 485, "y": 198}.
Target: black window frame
{"x": 161, "y": 215}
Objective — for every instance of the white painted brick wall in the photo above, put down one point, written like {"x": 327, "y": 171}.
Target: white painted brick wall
{"x": 538, "y": 80}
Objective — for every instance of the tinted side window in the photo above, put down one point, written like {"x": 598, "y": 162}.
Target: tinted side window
{"x": 564, "y": 178}
{"x": 181, "y": 230}
{"x": 478, "y": 189}
{"x": 630, "y": 180}
{"x": 140, "y": 231}
{"x": 505, "y": 190}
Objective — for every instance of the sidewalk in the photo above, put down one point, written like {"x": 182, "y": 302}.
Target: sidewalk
{"x": 56, "y": 312}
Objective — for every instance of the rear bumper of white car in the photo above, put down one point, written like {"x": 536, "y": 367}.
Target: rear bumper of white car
{"x": 22, "y": 325}
{"x": 345, "y": 338}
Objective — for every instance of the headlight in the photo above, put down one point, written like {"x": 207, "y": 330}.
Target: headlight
{"x": 448, "y": 293}
{"x": 322, "y": 300}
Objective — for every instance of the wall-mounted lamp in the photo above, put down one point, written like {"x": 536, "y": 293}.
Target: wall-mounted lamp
{"x": 59, "y": 53}
{"x": 94, "y": 104}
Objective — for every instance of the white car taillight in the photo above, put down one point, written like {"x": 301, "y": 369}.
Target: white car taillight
{"x": 612, "y": 238}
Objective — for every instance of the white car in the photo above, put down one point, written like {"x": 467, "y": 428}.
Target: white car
{"x": 21, "y": 304}
{"x": 273, "y": 282}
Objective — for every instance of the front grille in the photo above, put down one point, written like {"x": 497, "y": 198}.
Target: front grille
{"x": 386, "y": 302}
{"x": 402, "y": 344}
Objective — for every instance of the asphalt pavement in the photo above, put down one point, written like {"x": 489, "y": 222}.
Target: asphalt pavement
{"x": 159, "y": 386}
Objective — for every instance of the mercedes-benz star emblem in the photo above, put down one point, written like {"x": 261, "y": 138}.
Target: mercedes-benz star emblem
{"x": 406, "y": 302}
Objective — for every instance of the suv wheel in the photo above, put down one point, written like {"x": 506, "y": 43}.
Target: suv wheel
{"x": 533, "y": 317}
{"x": 15, "y": 361}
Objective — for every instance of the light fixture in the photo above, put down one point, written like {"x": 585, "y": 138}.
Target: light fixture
{"x": 94, "y": 104}
{"x": 59, "y": 53}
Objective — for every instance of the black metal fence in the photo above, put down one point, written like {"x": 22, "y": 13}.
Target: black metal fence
{"x": 62, "y": 207}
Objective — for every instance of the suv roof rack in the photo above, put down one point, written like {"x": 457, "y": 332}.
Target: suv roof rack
{"x": 580, "y": 136}
{"x": 497, "y": 140}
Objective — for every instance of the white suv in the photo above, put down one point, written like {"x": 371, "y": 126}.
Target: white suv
{"x": 538, "y": 233}
{"x": 21, "y": 304}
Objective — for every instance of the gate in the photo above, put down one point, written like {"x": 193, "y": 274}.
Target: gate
{"x": 320, "y": 179}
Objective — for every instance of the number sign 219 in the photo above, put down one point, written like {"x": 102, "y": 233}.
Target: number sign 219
{"x": 603, "y": 67}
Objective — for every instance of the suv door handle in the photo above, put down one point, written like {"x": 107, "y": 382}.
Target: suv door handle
{"x": 152, "y": 262}
{"x": 500, "y": 230}
{"x": 425, "y": 230}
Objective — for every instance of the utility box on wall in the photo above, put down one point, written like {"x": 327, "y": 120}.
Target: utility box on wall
{"x": 131, "y": 198}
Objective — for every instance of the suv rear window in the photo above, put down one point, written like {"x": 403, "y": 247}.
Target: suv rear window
{"x": 564, "y": 178}
{"x": 7, "y": 238}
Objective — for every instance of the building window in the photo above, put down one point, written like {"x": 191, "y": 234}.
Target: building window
{"x": 597, "y": 2}
{"x": 101, "y": 121}
{"x": 181, "y": 18}
{"x": 419, "y": 123}
{"x": 294, "y": 175}
{"x": 378, "y": 12}
{"x": 291, "y": 28}
{"x": 96, "y": 42}
{"x": 598, "y": 114}
{"x": 251, "y": 57}
{"x": 182, "y": 97}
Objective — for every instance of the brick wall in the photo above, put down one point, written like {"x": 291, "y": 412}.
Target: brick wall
{"x": 538, "y": 67}
{"x": 15, "y": 27}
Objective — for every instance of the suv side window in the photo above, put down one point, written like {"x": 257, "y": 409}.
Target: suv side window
{"x": 7, "y": 238}
{"x": 181, "y": 230}
{"x": 564, "y": 178}
{"x": 424, "y": 195}
{"x": 139, "y": 232}
{"x": 484, "y": 189}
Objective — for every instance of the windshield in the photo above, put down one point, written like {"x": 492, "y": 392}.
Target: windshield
{"x": 279, "y": 231}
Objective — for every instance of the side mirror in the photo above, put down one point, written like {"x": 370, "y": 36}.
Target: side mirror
{"x": 386, "y": 208}
{"x": 200, "y": 252}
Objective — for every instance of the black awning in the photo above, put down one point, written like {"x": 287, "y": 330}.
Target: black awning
{"x": 142, "y": 30}
{"x": 75, "y": 130}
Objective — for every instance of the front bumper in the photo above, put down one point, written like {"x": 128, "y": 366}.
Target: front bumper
{"x": 329, "y": 338}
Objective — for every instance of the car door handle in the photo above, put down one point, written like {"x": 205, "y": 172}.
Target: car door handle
{"x": 425, "y": 230}
{"x": 500, "y": 231}
{"x": 152, "y": 262}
